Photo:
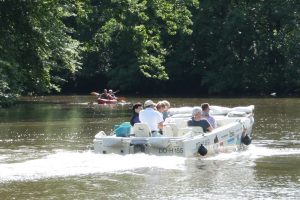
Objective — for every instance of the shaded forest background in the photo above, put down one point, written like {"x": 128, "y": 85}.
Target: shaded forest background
{"x": 175, "y": 47}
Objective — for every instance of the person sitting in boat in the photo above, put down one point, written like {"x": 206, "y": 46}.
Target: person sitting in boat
{"x": 205, "y": 113}
{"x": 111, "y": 94}
{"x": 167, "y": 106}
{"x": 199, "y": 120}
{"x": 160, "y": 107}
{"x": 152, "y": 118}
{"x": 137, "y": 107}
{"x": 104, "y": 95}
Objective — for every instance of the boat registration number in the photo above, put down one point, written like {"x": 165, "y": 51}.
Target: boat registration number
{"x": 178, "y": 150}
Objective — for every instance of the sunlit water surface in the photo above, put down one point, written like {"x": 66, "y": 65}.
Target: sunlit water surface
{"x": 45, "y": 153}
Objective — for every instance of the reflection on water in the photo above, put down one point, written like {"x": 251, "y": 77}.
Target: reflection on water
{"x": 44, "y": 154}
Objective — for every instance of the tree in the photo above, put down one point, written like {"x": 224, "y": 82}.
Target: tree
{"x": 240, "y": 47}
{"x": 132, "y": 39}
{"x": 37, "y": 52}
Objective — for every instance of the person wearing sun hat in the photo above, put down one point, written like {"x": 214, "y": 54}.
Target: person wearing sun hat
{"x": 152, "y": 117}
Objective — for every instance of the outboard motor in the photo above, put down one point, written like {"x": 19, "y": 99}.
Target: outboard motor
{"x": 139, "y": 146}
{"x": 246, "y": 140}
{"x": 202, "y": 150}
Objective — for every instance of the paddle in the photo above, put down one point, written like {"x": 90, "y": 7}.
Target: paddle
{"x": 122, "y": 99}
{"x": 116, "y": 91}
{"x": 95, "y": 94}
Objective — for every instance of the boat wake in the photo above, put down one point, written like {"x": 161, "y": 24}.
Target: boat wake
{"x": 64, "y": 164}
{"x": 255, "y": 152}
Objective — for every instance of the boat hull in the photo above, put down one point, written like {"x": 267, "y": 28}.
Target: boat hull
{"x": 106, "y": 101}
{"x": 223, "y": 139}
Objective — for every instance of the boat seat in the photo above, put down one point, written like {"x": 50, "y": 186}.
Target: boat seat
{"x": 170, "y": 130}
{"x": 180, "y": 122}
{"x": 197, "y": 130}
{"x": 184, "y": 131}
{"x": 141, "y": 130}
{"x": 225, "y": 120}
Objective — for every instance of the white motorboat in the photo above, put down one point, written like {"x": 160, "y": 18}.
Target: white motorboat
{"x": 233, "y": 133}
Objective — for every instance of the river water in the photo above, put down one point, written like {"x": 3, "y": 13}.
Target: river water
{"x": 45, "y": 153}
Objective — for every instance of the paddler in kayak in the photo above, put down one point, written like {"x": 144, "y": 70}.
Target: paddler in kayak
{"x": 108, "y": 95}
{"x": 111, "y": 94}
{"x": 104, "y": 95}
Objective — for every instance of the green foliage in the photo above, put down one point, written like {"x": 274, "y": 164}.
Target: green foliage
{"x": 208, "y": 47}
{"x": 131, "y": 38}
{"x": 36, "y": 49}
{"x": 7, "y": 97}
{"x": 240, "y": 47}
